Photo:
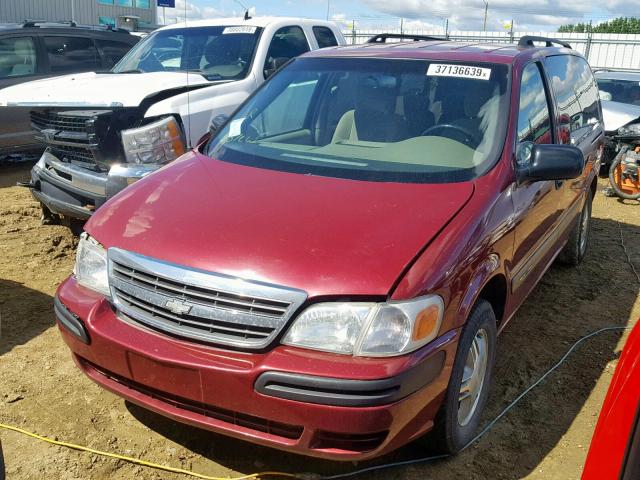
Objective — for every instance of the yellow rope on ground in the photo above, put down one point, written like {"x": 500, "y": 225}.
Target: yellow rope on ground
{"x": 143, "y": 462}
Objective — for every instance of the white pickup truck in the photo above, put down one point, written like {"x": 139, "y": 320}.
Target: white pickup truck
{"x": 105, "y": 130}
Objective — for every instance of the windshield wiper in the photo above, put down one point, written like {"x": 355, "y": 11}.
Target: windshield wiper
{"x": 133, "y": 70}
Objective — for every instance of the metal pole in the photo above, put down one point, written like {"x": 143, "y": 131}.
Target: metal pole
{"x": 587, "y": 49}
{"x": 401, "y": 25}
{"x": 446, "y": 28}
{"x": 353, "y": 33}
{"x": 486, "y": 8}
{"x": 328, "y": 8}
{"x": 164, "y": 15}
{"x": 73, "y": 11}
{"x": 511, "y": 31}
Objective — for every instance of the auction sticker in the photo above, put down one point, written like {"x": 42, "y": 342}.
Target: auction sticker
{"x": 239, "y": 29}
{"x": 460, "y": 71}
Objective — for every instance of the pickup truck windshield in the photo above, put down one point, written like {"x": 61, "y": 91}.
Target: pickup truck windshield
{"x": 218, "y": 53}
{"x": 623, "y": 91}
{"x": 373, "y": 119}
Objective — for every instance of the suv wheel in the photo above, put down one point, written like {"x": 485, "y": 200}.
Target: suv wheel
{"x": 576, "y": 248}
{"x": 468, "y": 390}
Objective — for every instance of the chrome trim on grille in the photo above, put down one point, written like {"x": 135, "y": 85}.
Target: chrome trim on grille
{"x": 199, "y": 305}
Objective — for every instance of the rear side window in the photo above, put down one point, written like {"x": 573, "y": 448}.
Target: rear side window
{"x": 112, "y": 51}
{"x": 534, "y": 123}
{"x": 71, "y": 54}
{"x": 325, "y": 37}
{"x": 576, "y": 93}
{"x": 17, "y": 57}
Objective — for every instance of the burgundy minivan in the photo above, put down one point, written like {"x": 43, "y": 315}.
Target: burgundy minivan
{"x": 327, "y": 275}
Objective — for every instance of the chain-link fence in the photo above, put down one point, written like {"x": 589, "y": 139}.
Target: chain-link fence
{"x": 602, "y": 50}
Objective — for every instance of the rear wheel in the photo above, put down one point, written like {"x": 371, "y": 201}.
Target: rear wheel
{"x": 576, "y": 248}
{"x": 468, "y": 390}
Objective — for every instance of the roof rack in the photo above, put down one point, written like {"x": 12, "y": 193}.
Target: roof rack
{"x": 527, "y": 41}
{"x": 382, "y": 37}
{"x": 69, "y": 24}
{"x": 37, "y": 23}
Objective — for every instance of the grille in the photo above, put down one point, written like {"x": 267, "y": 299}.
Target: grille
{"x": 56, "y": 121}
{"x": 292, "y": 432}
{"x": 198, "y": 305}
{"x": 73, "y": 154}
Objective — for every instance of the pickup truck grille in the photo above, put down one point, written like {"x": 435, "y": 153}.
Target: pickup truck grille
{"x": 56, "y": 121}
{"x": 197, "y": 305}
{"x": 86, "y": 138}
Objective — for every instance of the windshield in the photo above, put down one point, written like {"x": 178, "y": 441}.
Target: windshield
{"x": 623, "y": 91}
{"x": 218, "y": 53}
{"x": 373, "y": 119}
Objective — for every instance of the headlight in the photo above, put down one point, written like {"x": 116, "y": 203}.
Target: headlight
{"x": 368, "y": 329}
{"x": 91, "y": 265}
{"x": 157, "y": 142}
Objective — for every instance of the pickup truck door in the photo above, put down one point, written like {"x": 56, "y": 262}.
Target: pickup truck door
{"x": 287, "y": 42}
{"x": 539, "y": 207}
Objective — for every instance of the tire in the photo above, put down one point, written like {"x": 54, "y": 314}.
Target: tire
{"x": 576, "y": 248}
{"x": 457, "y": 423}
{"x": 613, "y": 171}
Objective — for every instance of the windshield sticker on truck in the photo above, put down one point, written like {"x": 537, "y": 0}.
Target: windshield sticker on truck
{"x": 460, "y": 71}
{"x": 235, "y": 127}
{"x": 239, "y": 29}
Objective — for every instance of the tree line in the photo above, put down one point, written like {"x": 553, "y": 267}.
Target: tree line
{"x": 617, "y": 25}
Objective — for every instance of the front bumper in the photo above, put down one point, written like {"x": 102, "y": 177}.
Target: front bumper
{"x": 76, "y": 192}
{"x": 368, "y": 406}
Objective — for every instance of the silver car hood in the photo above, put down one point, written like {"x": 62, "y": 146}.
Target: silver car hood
{"x": 618, "y": 114}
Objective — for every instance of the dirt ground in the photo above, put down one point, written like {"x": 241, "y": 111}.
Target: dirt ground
{"x": 544, "y": 437}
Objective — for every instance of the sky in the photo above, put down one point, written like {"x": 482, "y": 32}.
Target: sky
{"x": 542, "y": 15}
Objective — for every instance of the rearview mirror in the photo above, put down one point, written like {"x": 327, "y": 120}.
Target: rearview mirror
{"x": 217, "y": 122}
{"x": 548, "y": 162}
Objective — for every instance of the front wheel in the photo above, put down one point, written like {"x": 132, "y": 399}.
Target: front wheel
{"x": 468, "y": 390}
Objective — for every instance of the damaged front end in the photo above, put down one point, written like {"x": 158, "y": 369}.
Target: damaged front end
{"x": 92, "y": 154}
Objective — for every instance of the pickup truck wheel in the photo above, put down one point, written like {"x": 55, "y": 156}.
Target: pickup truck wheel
{"x": 47, "y": 217}
{"x": 576, "y": 248}
{"x": 468, "y": 390}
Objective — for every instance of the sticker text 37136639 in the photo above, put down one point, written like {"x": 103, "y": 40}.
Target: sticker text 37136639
{"x": 460, "y": 71}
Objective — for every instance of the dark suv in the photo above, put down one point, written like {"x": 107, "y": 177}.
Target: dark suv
{"x": 329, "y": 273}
{"x": 35, "y": 50}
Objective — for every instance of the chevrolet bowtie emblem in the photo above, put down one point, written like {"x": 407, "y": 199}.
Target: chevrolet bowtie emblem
{"x": 178, "y": 306}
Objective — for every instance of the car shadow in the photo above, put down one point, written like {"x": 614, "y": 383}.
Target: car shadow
{"x": 567, "y": 304}
{"x": 24, "y": 314}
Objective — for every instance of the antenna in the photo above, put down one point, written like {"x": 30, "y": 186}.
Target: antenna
{"x": 246, "y": 10}
{"x": 188, "y": 89}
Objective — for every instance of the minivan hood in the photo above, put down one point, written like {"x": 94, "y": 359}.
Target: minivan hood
{"x": 616, "y": 114}
{"x": 327, "y": 236}
{"x": 96, "y": 89}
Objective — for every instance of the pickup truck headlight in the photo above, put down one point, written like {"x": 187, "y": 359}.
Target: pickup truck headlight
{"x": 91, "y": 265}
{"x": 368, "y": 329}
{"x": 158, "y": 142}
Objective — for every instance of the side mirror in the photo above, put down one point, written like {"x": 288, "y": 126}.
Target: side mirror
{"x": 217, "y": 122}
{"x": 274, "y": 64}
{"x": 536, "y": 163}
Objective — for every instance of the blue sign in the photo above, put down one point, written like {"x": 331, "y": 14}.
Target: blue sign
{"x": 167, "y": 3}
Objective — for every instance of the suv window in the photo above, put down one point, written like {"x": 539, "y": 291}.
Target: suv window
{"x": 534, "y": 122}
{"x": 112, "y": 51}
{"x": 17, "y": 57}
{"x": 325, "y": 37}
{"x": 71, "y": 54}
{"x": 576, "y": 93}
{"x": 287, "y": 43}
